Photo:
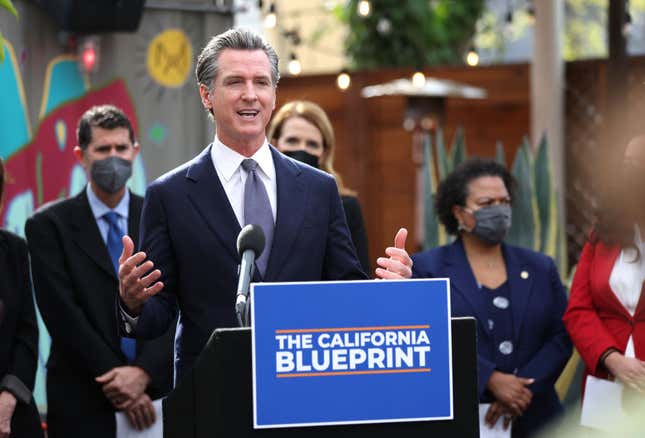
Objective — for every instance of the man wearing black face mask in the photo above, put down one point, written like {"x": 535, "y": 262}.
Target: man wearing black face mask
{"x": 74, "y": 246}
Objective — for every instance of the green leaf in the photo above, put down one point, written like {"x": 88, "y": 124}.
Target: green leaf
{"x": 546, "y": 199}
{"x": 522, "y": 232}
{"x": 458, "y": 149}
{"x": 431, "y": 222}
{"x": 6, "y": 4}
{"x": 499, "y": 153}
{"x": 444, "y": 164}
{"x": 1, "y": 48}
{"x": 419, "y": 33}
{"x": 561, "y": 255}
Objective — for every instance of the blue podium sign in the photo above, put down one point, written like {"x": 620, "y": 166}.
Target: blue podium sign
{"x": 351, "y": 352}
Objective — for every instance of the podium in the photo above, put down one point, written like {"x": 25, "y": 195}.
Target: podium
{"x": 215, "y": 399}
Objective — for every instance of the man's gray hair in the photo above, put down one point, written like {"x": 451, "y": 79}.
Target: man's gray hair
{"x": 236, "y": 39}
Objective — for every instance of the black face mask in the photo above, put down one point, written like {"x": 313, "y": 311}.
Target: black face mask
{"x": 110, "y": 174}
{"x": 492, "y": 223}
{"x": 303, "y": 157}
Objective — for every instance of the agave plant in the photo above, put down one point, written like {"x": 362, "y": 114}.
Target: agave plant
{"x": 535, "y": 207}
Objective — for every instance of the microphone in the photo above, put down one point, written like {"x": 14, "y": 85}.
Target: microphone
{"x": 250, "y": 244}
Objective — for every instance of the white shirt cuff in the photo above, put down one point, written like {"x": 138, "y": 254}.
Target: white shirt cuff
{"x": 129, "y": 322}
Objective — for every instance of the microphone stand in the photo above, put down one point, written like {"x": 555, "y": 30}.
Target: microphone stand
{"x": 242, "y": 299}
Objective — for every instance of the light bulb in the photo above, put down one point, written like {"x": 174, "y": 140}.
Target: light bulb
{"x": 472, "y": 58}
{"x": 295, "y": 68}
{"x": 364, "y": 8}
{"x": 271, "y": 19}
{"x": 418, "y": 79}
{"x": 343, "y": 80}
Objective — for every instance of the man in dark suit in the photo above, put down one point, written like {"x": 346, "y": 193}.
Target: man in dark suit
{"x": 192, "y": 215}
{"x": 74, "y": 246}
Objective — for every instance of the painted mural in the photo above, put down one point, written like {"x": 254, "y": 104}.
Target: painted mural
{"x": 40, "y": 166}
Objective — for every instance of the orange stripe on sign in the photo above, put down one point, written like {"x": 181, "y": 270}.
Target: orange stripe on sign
{"x": 347, "y": 373}
{"x": 354, "y": 329}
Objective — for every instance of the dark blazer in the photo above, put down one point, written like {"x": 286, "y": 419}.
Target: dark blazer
{"x": 76, "y": 289}
{"x": 538, "y": 300}
{"x": 18, "y": 333}
{"x": 189, "y": 230}
{"x": 356, "y": 227}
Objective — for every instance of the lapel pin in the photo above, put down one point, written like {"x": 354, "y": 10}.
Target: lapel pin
{"x": 524, "y": 275}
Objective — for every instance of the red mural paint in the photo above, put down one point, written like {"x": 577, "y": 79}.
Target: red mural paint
{"x": 44, "y": 166}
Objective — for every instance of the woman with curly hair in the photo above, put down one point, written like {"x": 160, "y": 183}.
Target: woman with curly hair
{"x": 514, "y": 293}
{"x": 606, "y": 313}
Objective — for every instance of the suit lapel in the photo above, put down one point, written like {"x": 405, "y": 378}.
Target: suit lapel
{"x": 462, "y": 282}
{"x": 520, "y": 282}
{"x": 86, "y": 234}
{"x": 603, "y": 264}
{"x": 209, "y": 199}
{"x": 290, "y": 212}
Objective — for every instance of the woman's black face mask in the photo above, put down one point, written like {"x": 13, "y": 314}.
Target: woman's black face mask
{"x": 303, "y": 157}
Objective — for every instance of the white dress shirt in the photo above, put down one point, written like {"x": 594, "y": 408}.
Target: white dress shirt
{"x": 626, "y": 280}
{"x": 99, "y": 209}
{"x": 227, "y": 164}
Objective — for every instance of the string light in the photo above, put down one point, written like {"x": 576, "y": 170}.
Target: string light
{"x": 343, "y": 80}
{"x": 364, "y": 8}
{"x": 508, "y": 23}
{"x": 384, "y": 26}
{"x": 472, "y": 57}
{"x": 271, "y": 19}
{"x": 508, "y": 19}
{"x": 627, "y": 25}
{"x": 530, "y": 12}
{"x": 418, "y": 79}
{"x": 294, "y": 67}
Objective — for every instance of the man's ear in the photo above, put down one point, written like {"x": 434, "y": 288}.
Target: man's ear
{"x": 136, "y": 151}
{"x": 204, "y": 94}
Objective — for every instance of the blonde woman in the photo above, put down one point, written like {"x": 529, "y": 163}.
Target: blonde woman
{"x": 302, "y": 130}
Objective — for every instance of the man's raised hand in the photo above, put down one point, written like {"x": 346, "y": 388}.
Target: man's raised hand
{"x": 399, "y": 263}
{"x": 137, "y": 280}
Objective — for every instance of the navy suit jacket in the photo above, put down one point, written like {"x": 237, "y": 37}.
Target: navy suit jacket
{"x": 538, "y": 301}
{"x": 189, "y": 230}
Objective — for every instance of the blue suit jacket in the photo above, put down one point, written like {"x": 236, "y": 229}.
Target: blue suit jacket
{"x": 538, "y": 301}
{"x": 189, "y": 230}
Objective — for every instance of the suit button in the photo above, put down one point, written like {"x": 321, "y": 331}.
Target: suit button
{"x": 506, "y": 348}
{"x": 501, "y": 302}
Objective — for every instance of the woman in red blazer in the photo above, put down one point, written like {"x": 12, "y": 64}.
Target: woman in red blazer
{"x": 606, "y": 313}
